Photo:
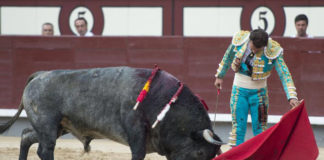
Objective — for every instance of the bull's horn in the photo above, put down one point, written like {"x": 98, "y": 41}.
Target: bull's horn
{"x": 208, "y": 136}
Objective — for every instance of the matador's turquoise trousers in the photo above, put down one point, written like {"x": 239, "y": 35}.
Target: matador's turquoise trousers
{"x": 242, "y": 101}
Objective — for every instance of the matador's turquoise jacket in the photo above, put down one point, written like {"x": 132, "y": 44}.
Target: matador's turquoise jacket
{"x": 264, "y": 61}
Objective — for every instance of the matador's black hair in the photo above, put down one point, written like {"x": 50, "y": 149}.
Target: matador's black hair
{"x": 259, "y": 37}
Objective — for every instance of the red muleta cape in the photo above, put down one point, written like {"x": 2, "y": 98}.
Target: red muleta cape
{"x": 291, "y": 138}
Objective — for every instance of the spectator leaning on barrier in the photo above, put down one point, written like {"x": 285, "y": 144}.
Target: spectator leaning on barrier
{"x": 47, "y": 29}
{"x": 81, "y": 26}
{"x": 301, "y": 24}
{"x": 252, "y": 55}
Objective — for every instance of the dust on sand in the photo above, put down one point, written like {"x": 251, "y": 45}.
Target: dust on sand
{"x": 72, "y": 149}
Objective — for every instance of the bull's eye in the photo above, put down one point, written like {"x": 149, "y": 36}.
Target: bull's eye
{"x": 200, "y": 153}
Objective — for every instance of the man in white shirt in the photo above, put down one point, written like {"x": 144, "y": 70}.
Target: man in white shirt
{"x": 47, "y": 29}
{"x": 301, "y": 24}
{"x": 81, "y": 26}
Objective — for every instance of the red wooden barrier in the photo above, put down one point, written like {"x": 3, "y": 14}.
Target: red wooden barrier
{"x": 192, "y": 60}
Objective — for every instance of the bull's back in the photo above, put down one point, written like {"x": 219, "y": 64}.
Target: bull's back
{"x": 91, "y": 101}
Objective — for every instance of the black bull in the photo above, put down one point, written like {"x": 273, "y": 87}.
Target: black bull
{"x": 98, "y": 103}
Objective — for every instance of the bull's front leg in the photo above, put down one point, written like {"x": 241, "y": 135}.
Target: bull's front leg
{"x": 135, "y": 127}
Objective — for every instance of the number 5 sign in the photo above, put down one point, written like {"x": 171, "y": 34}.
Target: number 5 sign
{"x": 263, "y": 18}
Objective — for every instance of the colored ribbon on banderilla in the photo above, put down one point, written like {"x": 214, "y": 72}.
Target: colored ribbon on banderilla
{"x": 146, "y": 87}
{"x": 167, "y": 106}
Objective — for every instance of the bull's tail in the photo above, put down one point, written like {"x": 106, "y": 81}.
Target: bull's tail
{"x": 5, "y": 126}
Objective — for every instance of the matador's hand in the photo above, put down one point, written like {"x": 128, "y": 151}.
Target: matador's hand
{"x": 294, "y": 102}
{"x": 218, "y": 83}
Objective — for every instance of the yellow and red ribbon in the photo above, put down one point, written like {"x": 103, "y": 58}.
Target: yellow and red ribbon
{"x": 146, "y": 88}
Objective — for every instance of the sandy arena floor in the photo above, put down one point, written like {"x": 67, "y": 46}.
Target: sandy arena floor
{"x": 71, "y": 149}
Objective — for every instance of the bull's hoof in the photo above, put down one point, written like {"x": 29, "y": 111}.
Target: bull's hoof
{"x": 87, "y": 148}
